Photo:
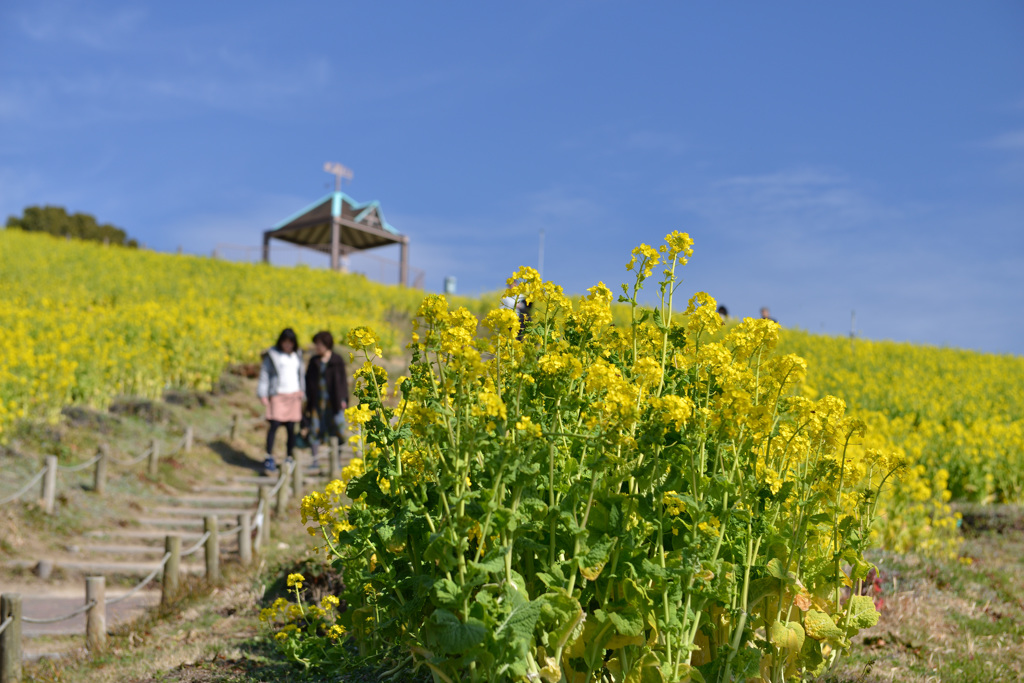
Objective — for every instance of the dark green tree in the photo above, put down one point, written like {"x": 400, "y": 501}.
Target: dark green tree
{"x": 55, "y": 220}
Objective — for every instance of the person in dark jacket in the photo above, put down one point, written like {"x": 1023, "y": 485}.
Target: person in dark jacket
{"x": 326, "y": 392}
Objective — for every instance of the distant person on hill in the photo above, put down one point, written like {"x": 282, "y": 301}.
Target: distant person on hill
{"x": 281, "y": 388}
{"x": 723, "y": 312}
{"x": 767, "y": 315}
{"x": 326, "y": 392}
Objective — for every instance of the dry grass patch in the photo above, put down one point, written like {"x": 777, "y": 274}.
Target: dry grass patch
{"x": 947, "y": 621}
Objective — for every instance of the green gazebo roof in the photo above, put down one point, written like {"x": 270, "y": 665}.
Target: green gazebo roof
{"x": 363, "y": 225}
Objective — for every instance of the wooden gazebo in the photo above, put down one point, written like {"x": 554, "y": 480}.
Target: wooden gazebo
{"x": 339, "y": 225}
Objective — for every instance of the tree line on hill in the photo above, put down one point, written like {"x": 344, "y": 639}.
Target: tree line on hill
{"x": 55, "y": 220}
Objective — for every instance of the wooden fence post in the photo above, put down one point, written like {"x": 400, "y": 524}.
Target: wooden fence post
{"x": 96, "y": 616}
{"x": 234, "y": 428}
{"x": 50, "y": 484}
{"x": 99, "y": 479}
{"x": 296, "y": 480}
{"x": 334, "y": 460}
{"x": 212, "y": 549}
{"x": 282, "y": 491}
{"x": 172, "y": 545}
{"x": 264, "y": 532}
{"x": 154, "y": 459}
{"x": 10, "y": 639}
{"x": 189, "y": 438}
{"x": 244, "y": 540}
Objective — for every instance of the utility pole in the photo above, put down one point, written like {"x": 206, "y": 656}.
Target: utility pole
{"x": 540, "y": 255}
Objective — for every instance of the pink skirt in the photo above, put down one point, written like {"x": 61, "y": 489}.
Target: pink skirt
{"x": 285, "y": 407}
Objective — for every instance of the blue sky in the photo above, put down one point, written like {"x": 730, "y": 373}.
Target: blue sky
{"x": 825, "y": 157}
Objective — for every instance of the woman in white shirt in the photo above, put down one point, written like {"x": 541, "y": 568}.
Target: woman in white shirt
{"x": 281, "y": 388}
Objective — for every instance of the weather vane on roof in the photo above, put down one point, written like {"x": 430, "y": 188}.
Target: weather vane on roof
{"x": 339, "y": 172}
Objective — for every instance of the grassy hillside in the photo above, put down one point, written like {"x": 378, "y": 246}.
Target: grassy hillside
{"x": 83, "y": 322}
{"x": 951, "y": 410}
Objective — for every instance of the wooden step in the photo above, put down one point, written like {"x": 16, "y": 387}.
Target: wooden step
{"x": 226, "y": 543}
{"x": 145, "y": 534}
{"x": 194, "y": 564}
{"x": 201, "y": 512}
{"x": 114, "y": 549}
{"x": 227, "y": 489}
{"x": 185, "y": 522}
{"x": 210, "y": 501}
{"x": 256, "y": 481}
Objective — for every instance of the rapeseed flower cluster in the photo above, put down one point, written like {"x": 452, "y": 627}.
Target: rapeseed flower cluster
{"x": 610, "y": 490}
{"x": 298, "y": 625}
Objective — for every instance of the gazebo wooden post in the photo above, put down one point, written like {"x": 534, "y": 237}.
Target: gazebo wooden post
{"x": 335, "y": 244}
{"x": 403, "y": 267}
{"x": 348, "y": 226}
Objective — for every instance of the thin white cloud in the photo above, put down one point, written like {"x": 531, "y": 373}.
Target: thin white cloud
{"x": 242, "y": 89}
{"x": 1012, "y": 140}
{"x": 656, "y": 141}
{"x": 788, "y": 204}
{"x": 63, "y": 22}
{"x": 558, "y": 204}
{"x": 118, "y": 94}
{"x": 815, "y": 244}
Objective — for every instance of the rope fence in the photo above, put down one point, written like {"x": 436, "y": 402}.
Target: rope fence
{"x": 198, "y": 546}
{"x": 252, "y": 531}
{"x": 135, "y": 461}
{"x": 96, "y": 602}
{"x": 82, "y": 466}
{"x": 142, "y": 584}
{"x": 15, "y": 496}
{"x": 153, "y": 454}
{"x": 53, "y": 620}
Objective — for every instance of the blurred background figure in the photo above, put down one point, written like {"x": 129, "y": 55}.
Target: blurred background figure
{"x": 723, "y": 312}
{"x": 326, "y": 393}
{"x": 523, "y": 311}
{"x": 281, "y": 389}
{"x": 767, "y": 315}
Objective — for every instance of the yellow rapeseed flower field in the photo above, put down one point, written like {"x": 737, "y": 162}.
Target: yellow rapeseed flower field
{"x": 956, "y": 416}
{"x": 83, "y": 323}
{"x": 949, "y": 409}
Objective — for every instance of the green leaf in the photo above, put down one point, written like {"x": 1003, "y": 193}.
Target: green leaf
{"x": 562, "y": 616}
{"x": 521, "y": 619}
{"x": 492, "y": 563}
{"x": 776, "y": 569}
{"x": 859, "y": 567}
{"x": 385, "y": 532}
{"x": 787, "y": 636}
{"x": 596, "y": 557}
{"x": 810, "y": 658}
{"x": 451, "y": 636}
{"x": 820, "y": 626}
{"x": 365, "y": 484}
{"x": 762, "y": 588}
{"x": 445, "y": 593}
{"x": 628, "y": 621}
{"x": 659, "y": 322}
{"x": 647, "y": 669}
{"x": 862, "y": 613}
